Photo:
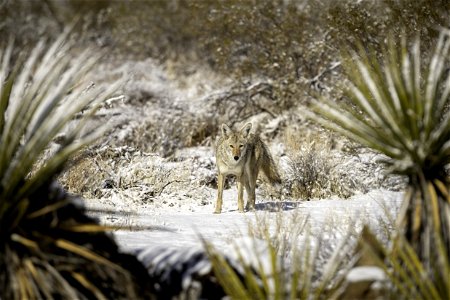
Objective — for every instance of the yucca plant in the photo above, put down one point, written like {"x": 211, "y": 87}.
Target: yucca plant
{"x": 48, "y": 247}
{"x": 403, "y": 267}
{"x": 400, "y": 107}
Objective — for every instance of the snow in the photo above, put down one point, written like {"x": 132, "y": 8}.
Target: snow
{"x": 184, "y": 226}
{"x": 366, "y": 273}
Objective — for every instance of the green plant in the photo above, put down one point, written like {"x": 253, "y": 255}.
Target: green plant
{"x": 399, "y": 107}
{"x": 48, "y": 247}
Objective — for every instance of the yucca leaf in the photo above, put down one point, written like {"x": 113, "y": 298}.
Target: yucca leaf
{"x": 443, "y": 99}
{"x": 393, "y": 92}
{"x": 226, "y": 276}
{"x": 24, "y": 241}
{"x": 86, "y": 253}
{"x": 306, "y": 266}
{"x": 65, "y": 289}
{"x": 417, "y": 271}
{"x": 49, "y": 103}
{"x": 253, "y": 290}
{"x": 433, "y": 199}
{"x": 347, "y": 124}
{"x": 5, "y": 85}
{"x": 370, "y": 84}
{"x": 88, "y": 285}
{"x": 441, "y": 187}
{"x": 40, "y": 128}
{"x": 370, "y": 89}
{"x": 276, "y": 273}
{"x": 436, "y": 69}
{"x": 335, "y": 263}
{"x": 398, "y": 281}
{"x": 413, "y": 112}
{"x": 386, "y": 131}
{"x": 44, "y": 286}
{"x": 18, "y": 211}
{"x": 16, "y": 110}
{"x": 252, "y": 279}
{"x": 296, "y": 275}
{"x": 416, "y": 77}
{"x": 90, "y": 228}
{"x": 46, "y": 210}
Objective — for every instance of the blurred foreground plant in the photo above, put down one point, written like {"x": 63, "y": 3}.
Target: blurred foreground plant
{"x": 285, "y": 262}
{"x": 401, "y": 108}
{"x": 48, "y": 247}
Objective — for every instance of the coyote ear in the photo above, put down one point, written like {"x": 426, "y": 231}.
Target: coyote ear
{"x": 246, "y": 129}
{"x": 226, "y": 130}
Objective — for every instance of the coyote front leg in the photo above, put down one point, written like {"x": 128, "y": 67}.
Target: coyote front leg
{"x": 250, "y": 187}
{"x": 220, "y": 183}
{"x": 240, "y": 186}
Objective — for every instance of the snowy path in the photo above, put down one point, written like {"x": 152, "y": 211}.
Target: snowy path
{"x": 175, "y": 228}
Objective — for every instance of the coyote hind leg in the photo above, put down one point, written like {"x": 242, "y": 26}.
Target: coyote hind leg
{"x": 250, "y": 187}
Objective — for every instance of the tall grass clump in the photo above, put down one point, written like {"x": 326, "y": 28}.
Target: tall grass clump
{"x": 398, "y": 105}
{"x": 48, "y": 247}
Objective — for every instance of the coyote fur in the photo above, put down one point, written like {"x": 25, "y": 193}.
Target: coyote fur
{"x": 243, "y": 154}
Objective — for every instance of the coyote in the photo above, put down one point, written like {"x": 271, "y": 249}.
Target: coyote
{"x": 243, "y": 154}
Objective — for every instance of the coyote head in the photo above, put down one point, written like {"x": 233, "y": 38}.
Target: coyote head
{"x": 235, "y": 143}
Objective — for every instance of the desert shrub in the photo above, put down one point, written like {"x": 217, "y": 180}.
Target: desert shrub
{"x": 291, "y": 47}
{"x": 83, "y": 176}
{"x": 321, "y": 165}
{"x": 31, "y": 21}
{"x": 281, "y": 40}
{"x": 311, "y": 168}
{"x": 370, "y": 22}
{"x": 240, "y": 38}
{"x": 98, "y": 170}
{"x": 168, "y": 132}
{"x": 25, "y": 19}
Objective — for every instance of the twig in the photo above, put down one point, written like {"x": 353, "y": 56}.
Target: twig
{"x": 167, "y": 184}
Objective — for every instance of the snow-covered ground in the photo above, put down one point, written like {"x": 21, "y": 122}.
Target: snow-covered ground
{"x": 181, "y": 227}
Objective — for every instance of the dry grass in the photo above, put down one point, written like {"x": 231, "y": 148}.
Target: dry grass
{"x": 314, "y": 168}
{"x": 322, "y": 165}
{"x": 169, "y": 131}
{"x": 98, "y": 170}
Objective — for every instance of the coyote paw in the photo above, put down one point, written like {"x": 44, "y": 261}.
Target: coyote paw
{"x": 217, "y": 211}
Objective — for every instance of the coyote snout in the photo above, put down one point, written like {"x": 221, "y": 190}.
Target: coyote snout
{"x": 243, "y": 154}
{"x": 236, "y": 151}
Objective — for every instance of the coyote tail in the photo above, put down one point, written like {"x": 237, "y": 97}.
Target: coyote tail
{"x": 268, "y": 166}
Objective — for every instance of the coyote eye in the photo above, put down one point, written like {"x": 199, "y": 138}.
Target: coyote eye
{"x": 241, "y": 146}
{"x": 231, "y": 146}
